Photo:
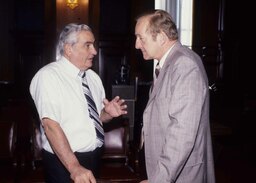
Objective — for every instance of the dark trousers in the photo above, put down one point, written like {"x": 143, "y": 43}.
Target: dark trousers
{"x": 55, "y": 172}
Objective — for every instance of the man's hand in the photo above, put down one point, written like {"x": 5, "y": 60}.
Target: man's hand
{"x": 113, "y": 108}
{"x": 144, "y": 181}
{"x": 82, "y": 175}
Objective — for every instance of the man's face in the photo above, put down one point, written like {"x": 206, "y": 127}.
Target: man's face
{"x": 144, "y": 40}
{"x": 82, "y": 53}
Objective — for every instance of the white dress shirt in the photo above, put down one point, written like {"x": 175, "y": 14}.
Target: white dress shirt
{"x": 57, "y": 93}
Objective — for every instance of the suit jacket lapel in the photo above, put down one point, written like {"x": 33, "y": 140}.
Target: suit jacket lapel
{"x": 170, "y": 59}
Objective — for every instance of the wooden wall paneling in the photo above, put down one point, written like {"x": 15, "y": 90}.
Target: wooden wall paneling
{"x": 205, "y": 35}
{"x": 111, "y": 55}
{"x": 50, "y": 35}
{"x": 94, "y": 19}
{"x": 65, "y": 15}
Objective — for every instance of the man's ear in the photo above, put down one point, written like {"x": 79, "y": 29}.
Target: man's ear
{"x": 67, "y": 49}
{"x": 162, "y": 37}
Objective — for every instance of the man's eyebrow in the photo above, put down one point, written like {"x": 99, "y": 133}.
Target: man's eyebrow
{"x": 89, "y": 42}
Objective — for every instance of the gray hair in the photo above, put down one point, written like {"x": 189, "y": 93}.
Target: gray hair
{"x": 69, "y": 36}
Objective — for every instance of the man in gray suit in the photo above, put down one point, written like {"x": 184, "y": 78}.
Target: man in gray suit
{"x": 176, "y": 129}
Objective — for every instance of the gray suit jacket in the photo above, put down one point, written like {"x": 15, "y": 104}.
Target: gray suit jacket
{"x": 178, "y": 146}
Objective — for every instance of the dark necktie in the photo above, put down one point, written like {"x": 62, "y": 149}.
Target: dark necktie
{"x": 92, "y": 110}
{"x": 157, "y": 69}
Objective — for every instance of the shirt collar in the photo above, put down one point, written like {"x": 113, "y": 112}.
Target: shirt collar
{"x": 162, "y": 61}
{"x": 70, "y": 68}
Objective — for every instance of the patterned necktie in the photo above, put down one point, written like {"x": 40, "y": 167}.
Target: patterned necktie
{"x": 157, "y": 69}
{"x": 93, "y": 113}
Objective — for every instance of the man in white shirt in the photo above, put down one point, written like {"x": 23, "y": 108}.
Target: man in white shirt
{"x": 70, "y": 145}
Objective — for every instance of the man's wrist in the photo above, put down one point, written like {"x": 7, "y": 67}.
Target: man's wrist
{"x": 105, "y": 116}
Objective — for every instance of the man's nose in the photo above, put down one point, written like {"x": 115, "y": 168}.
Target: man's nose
{"x": 137, "y": 44}
{"x": 94, "y": 52}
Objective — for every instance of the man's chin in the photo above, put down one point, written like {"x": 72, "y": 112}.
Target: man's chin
{"x": 87, "y": 66}
{"x": 146, "y": 57}
{"x": 89, "y": 63}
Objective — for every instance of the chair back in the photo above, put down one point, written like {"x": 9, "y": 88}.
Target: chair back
{"x": 8, "y": 131}
{"x": 116, "y": 139}
{"x": 36, "y": 145}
